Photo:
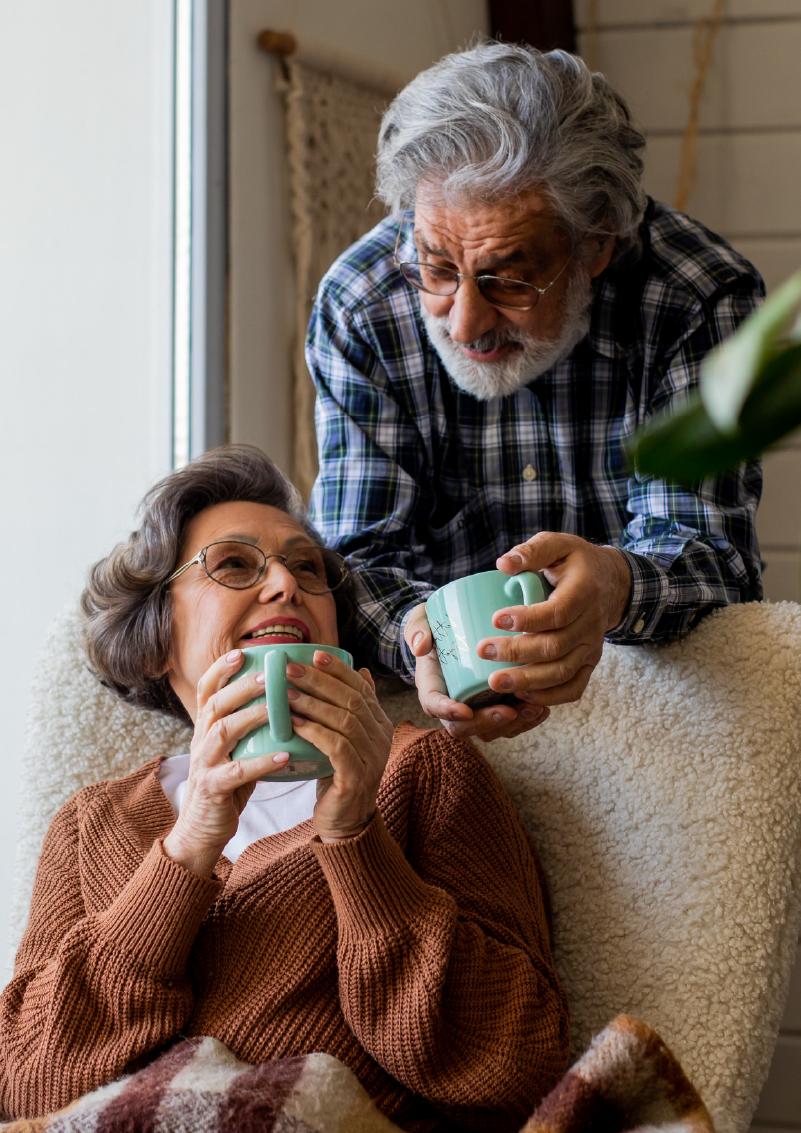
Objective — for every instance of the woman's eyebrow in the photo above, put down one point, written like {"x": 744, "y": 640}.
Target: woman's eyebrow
{"x": 292, "y": 541}
{"x": 239, "y": 539}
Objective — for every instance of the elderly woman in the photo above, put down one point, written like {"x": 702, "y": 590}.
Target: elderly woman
{"x": 392, "y": 916}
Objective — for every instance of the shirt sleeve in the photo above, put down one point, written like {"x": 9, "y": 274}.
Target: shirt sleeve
{"x": 370, "y": 488}
{"x": 93, "y": 991}
{"x": 691, "y": 550}
{"x": 445, "y": 969}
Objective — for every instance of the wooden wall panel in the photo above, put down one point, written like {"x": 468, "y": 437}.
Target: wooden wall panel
{"x": 747, "y": 182}
{"x": 741, "y": 90}
{"x": 639, "y": 12}
{"x": 780, "y": 581}
{"x": 777, "y": 257}
{"x": 779, "y": 519}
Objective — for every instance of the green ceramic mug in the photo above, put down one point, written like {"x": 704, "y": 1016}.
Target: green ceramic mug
{"x": 306, "y": 761}
{"x": 460, "y": 615}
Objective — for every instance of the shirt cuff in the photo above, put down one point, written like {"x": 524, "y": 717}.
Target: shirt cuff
{"x": 650, "y": 588}
{"x": 375, "y": 889}
{"x": 159, "y": 912}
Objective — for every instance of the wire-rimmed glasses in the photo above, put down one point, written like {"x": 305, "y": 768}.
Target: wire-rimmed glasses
{"x": 238, "y": 566}
{"x": 496, "y": 289}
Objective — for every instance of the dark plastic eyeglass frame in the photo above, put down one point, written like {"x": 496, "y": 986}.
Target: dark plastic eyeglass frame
{"x": 200, "y": 559}
{"x": 458, "y": 277}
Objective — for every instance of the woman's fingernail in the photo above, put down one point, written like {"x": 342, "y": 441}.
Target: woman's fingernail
{"x": 504, "y": 682}
{"x": 498, "y": 718}
{"x": 505, "y": 622}
{"x": 260, "y": 678}
{"x": 298, "y": 721}
{"x": 280, "y": 757}
{"x": 322, "y": 658}
{"x": 418, "y": 637}
{"x": 529, "y": 713}
{"x": 490, "y": 652}
{"x": 292, "y": 694}
{"x": 295, "y": 670}
{"x": 514, "y": 557}
{"x": 234, "y": 655}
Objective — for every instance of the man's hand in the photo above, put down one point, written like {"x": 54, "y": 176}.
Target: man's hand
{"x": 562, "y": 642}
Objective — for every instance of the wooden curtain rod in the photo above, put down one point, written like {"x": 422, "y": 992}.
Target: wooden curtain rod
{"x": 277, "y": 42}
{"x": 284, "y": 45}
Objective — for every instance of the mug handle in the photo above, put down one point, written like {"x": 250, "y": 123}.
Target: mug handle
{"x": 275, "y": 686}
{"x": 530, "y": 585}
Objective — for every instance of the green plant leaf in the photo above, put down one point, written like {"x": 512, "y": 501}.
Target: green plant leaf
{"x": 730, "y": 371}
{"x": 685, "y": 446}
{"x": 773, "y": 408}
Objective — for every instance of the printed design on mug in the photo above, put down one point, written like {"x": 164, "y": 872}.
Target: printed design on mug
{"x": 449, "y": 644}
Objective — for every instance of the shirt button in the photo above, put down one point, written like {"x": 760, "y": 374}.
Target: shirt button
{"x": 529, "y": 473}
{"x": 638, "y": 626}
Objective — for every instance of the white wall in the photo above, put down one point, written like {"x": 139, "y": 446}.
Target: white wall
{"x": 85, "y": 302}
{"x": 403, "y": 35}
{"x": 749, "y": 171}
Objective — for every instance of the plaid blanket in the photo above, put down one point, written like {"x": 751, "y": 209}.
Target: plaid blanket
{"x": 628, "y": 1080}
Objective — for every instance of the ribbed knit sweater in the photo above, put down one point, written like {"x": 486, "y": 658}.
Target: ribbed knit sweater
{"x": 418, "y": 953}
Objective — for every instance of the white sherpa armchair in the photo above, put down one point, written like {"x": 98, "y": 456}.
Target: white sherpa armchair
{"x": 665, "y": 805}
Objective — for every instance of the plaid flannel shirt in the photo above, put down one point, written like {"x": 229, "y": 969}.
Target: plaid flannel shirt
{"x": 421, "y": 483}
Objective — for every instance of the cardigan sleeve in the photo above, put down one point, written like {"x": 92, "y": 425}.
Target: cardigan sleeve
{"x": 91, "y": 992}
{"x": 445, "y": 966}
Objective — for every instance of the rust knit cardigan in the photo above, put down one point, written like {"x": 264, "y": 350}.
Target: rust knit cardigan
{"x": 418, "y": 953}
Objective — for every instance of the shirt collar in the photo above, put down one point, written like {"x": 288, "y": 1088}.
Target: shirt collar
{"x": 601, "y": 335}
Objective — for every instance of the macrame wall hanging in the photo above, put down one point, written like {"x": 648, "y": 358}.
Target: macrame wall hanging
{"x": 332, "y": 125}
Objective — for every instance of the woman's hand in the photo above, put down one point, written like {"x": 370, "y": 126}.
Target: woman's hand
{"x": 342, "y": 717}
{"x": 217, "y": 788}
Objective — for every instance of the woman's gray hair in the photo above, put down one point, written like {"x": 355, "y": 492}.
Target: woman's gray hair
{"x": 127, "y": 605}
{"x": 498, "y": 119}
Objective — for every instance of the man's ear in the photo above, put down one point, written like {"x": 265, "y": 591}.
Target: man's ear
{"x": 603, "y": 249}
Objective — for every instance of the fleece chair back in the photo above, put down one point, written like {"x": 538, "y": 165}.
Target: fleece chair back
{"x": 664, "y": 804}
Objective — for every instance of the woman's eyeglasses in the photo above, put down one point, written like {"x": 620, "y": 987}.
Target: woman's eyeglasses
{"x": 317, "y": 570}
{"x": 496, "y": 289}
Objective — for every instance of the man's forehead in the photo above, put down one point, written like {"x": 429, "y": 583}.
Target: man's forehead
{"x": 514, "y": 221}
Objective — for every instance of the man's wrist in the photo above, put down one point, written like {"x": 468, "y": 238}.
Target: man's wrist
{"x": 621, "y": 588}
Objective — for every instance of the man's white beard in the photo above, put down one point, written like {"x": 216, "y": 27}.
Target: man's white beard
{"x": 485, "y": 380}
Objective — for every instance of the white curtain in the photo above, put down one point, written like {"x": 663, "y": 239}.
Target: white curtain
{"x": 332, "y": 128}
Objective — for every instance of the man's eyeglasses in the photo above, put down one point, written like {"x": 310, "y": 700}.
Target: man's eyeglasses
{"x": 317, "y": 570}
{"x": 496, "y": 289}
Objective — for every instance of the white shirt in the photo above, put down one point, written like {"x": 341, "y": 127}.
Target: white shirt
{"x": 271, "y": 809}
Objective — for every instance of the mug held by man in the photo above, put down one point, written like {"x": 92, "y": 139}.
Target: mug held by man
{"x": 306, "y": 761}
{"x": 460, "y": 615}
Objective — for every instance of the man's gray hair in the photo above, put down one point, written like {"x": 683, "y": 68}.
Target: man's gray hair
{"x": 490, "y": 122}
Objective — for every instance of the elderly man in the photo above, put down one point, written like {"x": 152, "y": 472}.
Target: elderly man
{"x": 481, "y": 358}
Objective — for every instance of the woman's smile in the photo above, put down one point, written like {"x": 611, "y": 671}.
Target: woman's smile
{"x": 209, "y": 620}
{"x": 277, "y": 631}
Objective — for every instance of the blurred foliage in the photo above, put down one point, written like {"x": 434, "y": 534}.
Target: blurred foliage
{"x": 749, "y": 398}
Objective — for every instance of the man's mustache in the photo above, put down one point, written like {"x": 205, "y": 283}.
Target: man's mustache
{"x": 491, "y": 340}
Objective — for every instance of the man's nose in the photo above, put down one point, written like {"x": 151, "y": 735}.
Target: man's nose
{"x": 470, "y": 314}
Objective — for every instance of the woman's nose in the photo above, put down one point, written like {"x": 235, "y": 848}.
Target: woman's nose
{"x": 470, "y": 314}
{"x": 279, "y": 583}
